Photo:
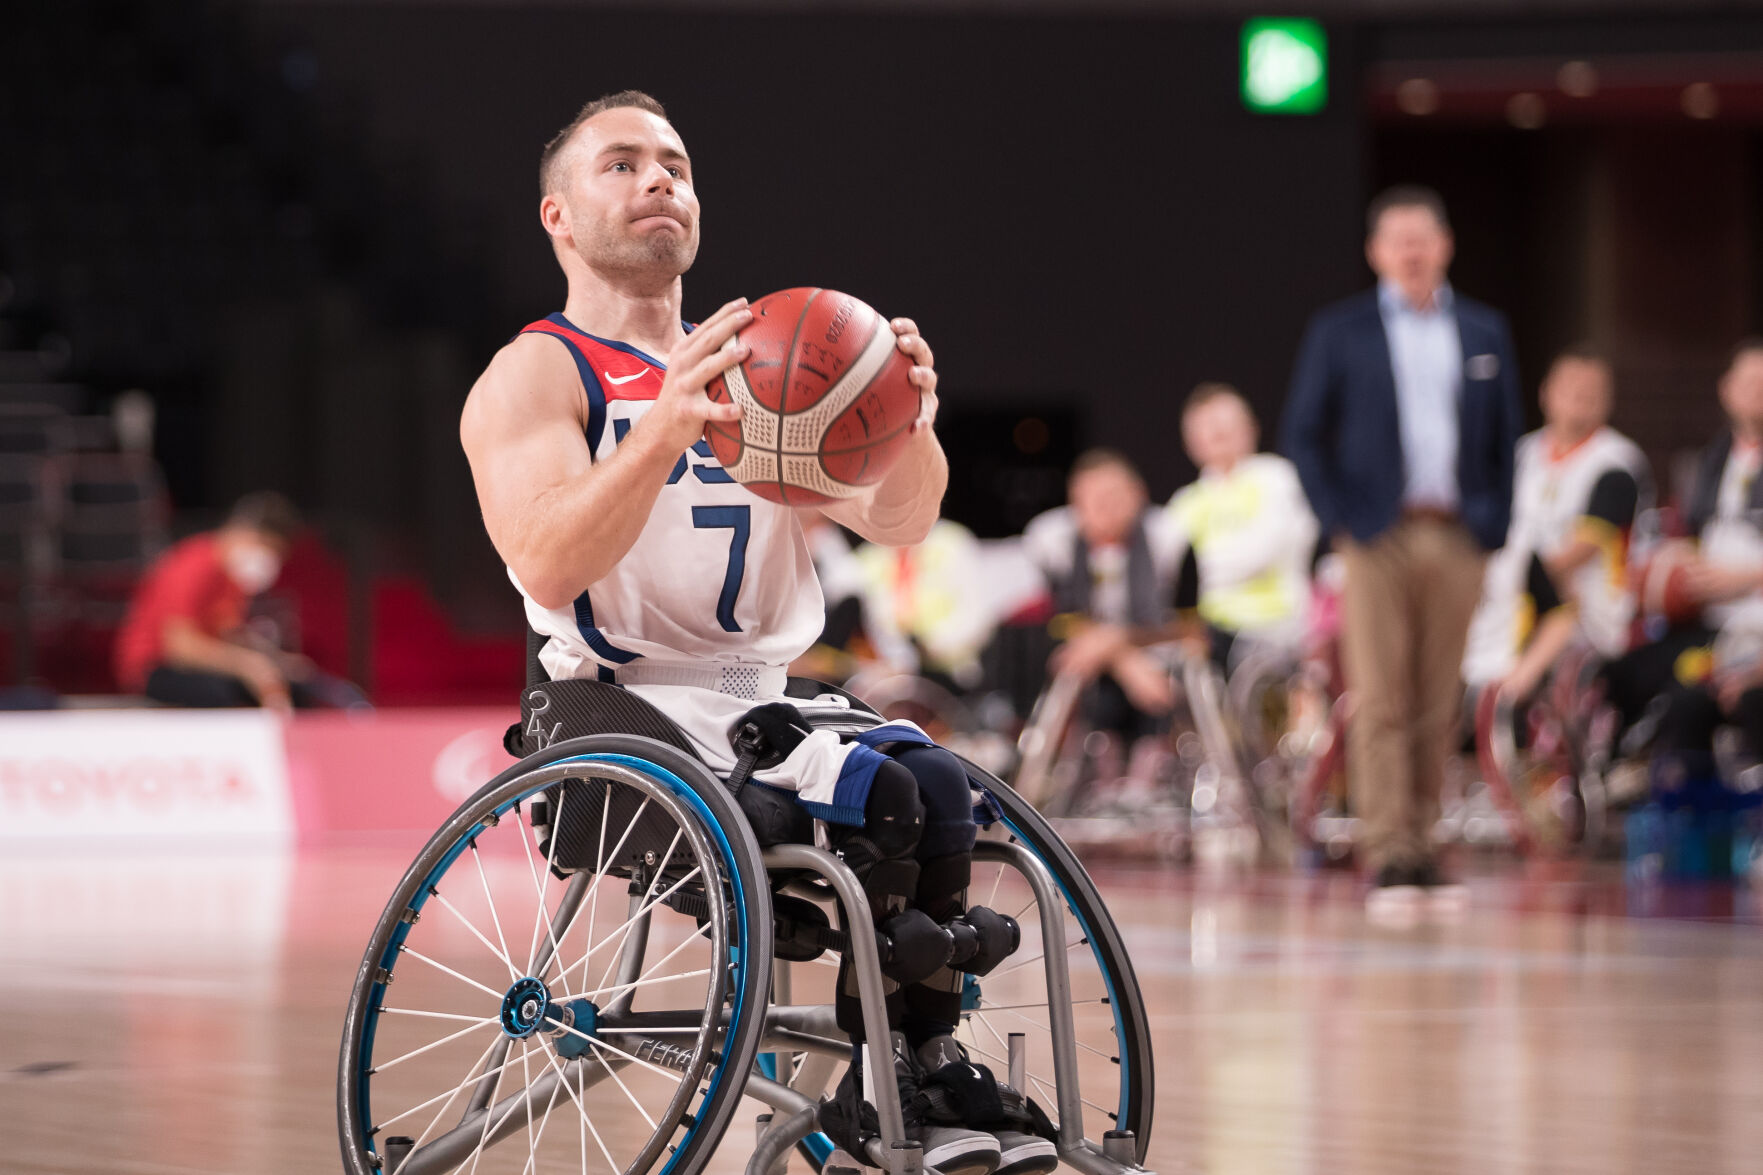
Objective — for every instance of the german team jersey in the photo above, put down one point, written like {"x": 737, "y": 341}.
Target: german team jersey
{"x": 719, "y": 576}
{"x": 1253, "y": 534}
{"x": 1591, "y": 492}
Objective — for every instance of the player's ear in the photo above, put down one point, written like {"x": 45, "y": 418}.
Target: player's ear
{"x": 554, "y": 216}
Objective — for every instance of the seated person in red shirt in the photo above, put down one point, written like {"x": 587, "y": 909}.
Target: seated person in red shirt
{"x": 183, "y": 642}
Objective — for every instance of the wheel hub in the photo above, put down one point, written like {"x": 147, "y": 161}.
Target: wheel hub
{"x": 524, "y": 1007}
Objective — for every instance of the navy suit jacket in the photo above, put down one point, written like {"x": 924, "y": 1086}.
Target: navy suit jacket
{"x": 1342, "y": 431}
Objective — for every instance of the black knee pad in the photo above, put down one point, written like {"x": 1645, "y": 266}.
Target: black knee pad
{"x": 890, "y": 882}
{"x": 983, "y": 939}
{"x": 942, "y": 885}
{"x": 947, "y": 796}
{"x": 913, "y": 948}
{"x": 893, "y": 815}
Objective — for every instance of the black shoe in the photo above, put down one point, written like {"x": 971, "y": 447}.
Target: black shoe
{"x": 1441, "y": 892}
{"x": 1395, "y": 896}
{"x": 1401, "y": 875}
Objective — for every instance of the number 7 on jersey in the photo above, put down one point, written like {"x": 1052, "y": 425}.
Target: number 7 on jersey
{"x": 738, "y": 519}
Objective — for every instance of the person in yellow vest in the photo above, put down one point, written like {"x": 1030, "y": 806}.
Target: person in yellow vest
{"x": 926, "y": 608}
{"x": 1248, "y": 523}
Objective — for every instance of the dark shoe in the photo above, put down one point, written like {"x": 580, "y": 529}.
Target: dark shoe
{"x": 1395, "y": 896}
{"x": 1442, "y": 894}
{"x": 1019, "y": 1152}
{"x": 951, "y": 1149}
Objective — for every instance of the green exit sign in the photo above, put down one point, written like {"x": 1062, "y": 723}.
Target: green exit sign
{"x": 1285, "y": 66}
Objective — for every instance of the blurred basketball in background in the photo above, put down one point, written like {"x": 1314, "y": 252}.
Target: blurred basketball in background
{"x": 825, "y": 399}
{"x": 1661, "y": 583}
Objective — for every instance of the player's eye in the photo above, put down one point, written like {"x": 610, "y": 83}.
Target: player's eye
{"x": 677, "y": 173}
{"x": 621, "y": 165}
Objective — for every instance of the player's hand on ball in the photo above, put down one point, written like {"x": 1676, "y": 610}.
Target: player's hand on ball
{"x": 682, "y": 407}
{"x": 924, "y": 370}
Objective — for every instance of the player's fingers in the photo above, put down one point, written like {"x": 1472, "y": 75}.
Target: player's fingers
{"x": 714, "y": 411}
{"x": 713, "y": 332}
{"x": 903, "y": 326}
{"x": 923, "y": 378}
{"x": 916, "y": 349}
{"x": 714, "y": 364}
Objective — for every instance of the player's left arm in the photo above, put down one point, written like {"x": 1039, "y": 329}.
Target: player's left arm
{"x": 1607, "y": 517}
{"x": 900, "y": 509}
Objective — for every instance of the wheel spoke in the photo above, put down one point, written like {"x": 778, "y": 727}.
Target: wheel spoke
{"x": 442, "y": 1112}
{"x": 660, "y": 872}
{"x": 415, "y": 954}
{"x": 631, "y": 921}
{"x": 592, "y": 897}
{"x": 678, "y": 1078}
{"x": 541, "y": 881}
{"x": 495, "y": 919}
{"x": 551, "y": 1058}
{"x": 613, "y": 1073}
{"x": 466, "y": 922}
{"x": 467, "y": 1030}
{"x": 985, "y": 1007}
{"x": 436, "y": 1015}
{"x": 472, "y": 1080}
{"x": 618, "y": 988}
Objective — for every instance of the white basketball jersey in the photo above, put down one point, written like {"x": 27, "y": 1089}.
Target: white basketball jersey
{"x": 718, "y": 575}
{"x": 1551, "y": 500}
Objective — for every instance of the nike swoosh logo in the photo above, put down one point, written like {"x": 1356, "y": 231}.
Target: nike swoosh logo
{"x": 612, "y": 379}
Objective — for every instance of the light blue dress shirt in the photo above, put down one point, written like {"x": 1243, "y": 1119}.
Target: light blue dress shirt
{"x": 1426, "y": 358}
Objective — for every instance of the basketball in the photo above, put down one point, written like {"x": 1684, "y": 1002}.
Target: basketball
{"x": 824, "y": 395}
{"x": 1662, "y": 583}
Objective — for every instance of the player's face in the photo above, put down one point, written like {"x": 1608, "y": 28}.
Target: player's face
{"x": 1741, "y": 390}
{"x": 1106, "y": 500}
{"x": 1218, "y": 433}
{"x": 1412, "y": 249}
{"x": 628, "y": 192}
{"x": 1576, "y": 397}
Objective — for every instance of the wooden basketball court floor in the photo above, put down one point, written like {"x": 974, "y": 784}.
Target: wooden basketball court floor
{"x": 180, "y": 1012}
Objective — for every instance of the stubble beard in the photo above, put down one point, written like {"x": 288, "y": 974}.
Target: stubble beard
{"x": 657, "y": 258}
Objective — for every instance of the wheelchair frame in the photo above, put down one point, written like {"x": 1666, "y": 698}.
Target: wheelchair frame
{"x": 640, "y": 762}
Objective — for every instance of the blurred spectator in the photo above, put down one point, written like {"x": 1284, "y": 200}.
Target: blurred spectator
{"x": 1563, "y": 573}
{"x": 1709, "y": 669}
{"x": 1110, "y": 561}
{"x": 1246, "y": 518}
{"x": 927, "y": 608}
{"x": 184, "y": 641}
{"x": 1401, "y": 419}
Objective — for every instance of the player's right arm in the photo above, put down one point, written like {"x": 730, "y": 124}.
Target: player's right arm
{"x": 558, "y": 518}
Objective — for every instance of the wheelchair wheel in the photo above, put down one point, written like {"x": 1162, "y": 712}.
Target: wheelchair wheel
{"x": 574, "y": 971}
{"x": 1112, "y": 1035}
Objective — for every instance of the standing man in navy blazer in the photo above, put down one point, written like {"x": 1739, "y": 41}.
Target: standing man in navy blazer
{"x": 1402, "y": 416}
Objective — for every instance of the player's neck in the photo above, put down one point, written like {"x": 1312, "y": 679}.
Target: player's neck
{"x": 1563, "y": 442}
{"x": 648, "y": 319}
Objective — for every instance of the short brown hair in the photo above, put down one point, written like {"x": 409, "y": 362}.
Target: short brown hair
{"x": 1585, "y": 352}
{"x": 554, "y": 148}
{"x": 1405, "y": 196}
{"x": 268, "y": 513}
{"x": 1212, "y": 390}
{"x": 1102, "y": 458}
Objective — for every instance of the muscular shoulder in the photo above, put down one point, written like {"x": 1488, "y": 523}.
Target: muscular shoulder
{"x": 531, "y": 379}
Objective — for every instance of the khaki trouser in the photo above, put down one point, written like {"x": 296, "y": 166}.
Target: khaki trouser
{"x": 1405, "y": 616}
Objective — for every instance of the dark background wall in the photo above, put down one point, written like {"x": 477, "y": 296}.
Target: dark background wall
{"x": 1078, "y": 211}
{"x": 329, "y": 216}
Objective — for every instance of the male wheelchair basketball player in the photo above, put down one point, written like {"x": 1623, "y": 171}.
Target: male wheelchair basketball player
{"x": 671, "y": 778}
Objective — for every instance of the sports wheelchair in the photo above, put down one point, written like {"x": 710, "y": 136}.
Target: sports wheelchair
{"x": 593, "y": 960}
